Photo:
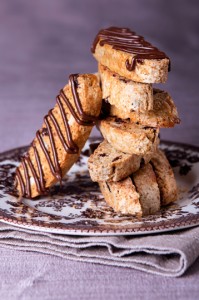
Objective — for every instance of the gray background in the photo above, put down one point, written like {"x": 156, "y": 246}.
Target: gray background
{"x": 41, "y": 43}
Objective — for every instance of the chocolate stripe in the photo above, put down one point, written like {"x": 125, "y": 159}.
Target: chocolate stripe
{"x": 27, "y": 185}
{"x": 36, "y": 179}
{"x": 68, "y": 144}
{"x": 125, "y": 40}
{"x": 20, "y": 181}
{"x": 85, "y": 119}
{"x": 55, "y": 166}
{"x": 39, "y": 166}
{"x": 45, "y": 151}
{"x": 71, "y": 147}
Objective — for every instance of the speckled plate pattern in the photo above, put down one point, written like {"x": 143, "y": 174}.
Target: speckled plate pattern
{"x": 78, "y": 207}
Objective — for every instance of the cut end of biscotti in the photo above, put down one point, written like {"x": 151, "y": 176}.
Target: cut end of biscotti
{"x": 122, "y": 196}
{"x": 109, "y": 164}
{"x": 135, "y": 195}
{"x": 129, "y": 137}
{"x": 144, "y": 191}
{"x": 146, "y": 185}
{"x": 164, "y": 113}
{"x": 165, "y": 178}
{"x": 125, "y": 94}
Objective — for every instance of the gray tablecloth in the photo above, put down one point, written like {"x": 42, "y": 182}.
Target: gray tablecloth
{"x": 41, "y": 43}
{"x": 167, "y": 254}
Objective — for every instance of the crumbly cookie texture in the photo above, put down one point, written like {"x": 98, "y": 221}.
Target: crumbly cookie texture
{"x": 109, "y": 164}
{"x": 149, "y": 71}
{"x": 135, "y": 195}
{"x": 125, "y": 94}
{"x": 164, "y": 113}
{"x": 122, "y": 196}
{"x": 129, "y": 137}
{"x": 165, "y": 178}
{"x": 146, "y": 185}
{"x": 90, "y": 97}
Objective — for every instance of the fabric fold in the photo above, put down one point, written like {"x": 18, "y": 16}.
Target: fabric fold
{"x": 167, "y": 254}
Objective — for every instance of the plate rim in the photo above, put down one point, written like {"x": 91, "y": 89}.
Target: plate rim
{"x": 96, "y": 232}
{"x": 178, "y": 224}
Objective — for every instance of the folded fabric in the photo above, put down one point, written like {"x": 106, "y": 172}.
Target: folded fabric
{"x": 167, "y": 254}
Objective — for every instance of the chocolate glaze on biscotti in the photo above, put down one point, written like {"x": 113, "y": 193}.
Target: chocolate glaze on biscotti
{"x": 67, "y": 142}
{"x": 125, "y": 40}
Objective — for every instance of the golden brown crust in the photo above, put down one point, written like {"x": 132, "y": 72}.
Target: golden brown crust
{"x": 150, "y": 71}
{"x": 125, "y": 94}
{"x": 90, "y": 97}
{"x": 165, "y": 178}
{"x": 129, "y": 137}
{"x": 164, "y": 113}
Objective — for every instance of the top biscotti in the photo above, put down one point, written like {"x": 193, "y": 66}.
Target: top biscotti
{"x": 129, "y": 55}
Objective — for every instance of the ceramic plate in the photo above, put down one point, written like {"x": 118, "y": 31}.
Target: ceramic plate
{"x": 78, "y": 207}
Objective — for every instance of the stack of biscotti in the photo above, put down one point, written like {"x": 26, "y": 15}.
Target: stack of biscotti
{"x": 134, "y": 176}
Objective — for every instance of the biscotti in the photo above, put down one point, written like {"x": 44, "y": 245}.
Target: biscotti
{"x": 164, "y": 113}
{"x": 129, "y": 137}
{"x": 129, "y": 55}
{"x": 147, "y": 187}
{"x": 134, "y": 176}
{"x": 109, "y": 164}
{"x": 165, "y": 178}
{"x": 121, "y": 196}
{"x": 63, "y": 134}
{"x": 135, "y": 195}
{"x": 126, "y": 94}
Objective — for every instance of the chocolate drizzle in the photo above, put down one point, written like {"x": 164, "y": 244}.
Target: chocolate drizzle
{"x": 68, "y": 144}
{"x": 27, "y": 185}
{"x": 41, "y": 186}
{"x": 125, "y": 40}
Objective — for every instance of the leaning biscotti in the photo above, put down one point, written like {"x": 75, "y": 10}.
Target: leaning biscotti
{"x": 165, "y": 178}
{"x": 63, "y": 134}
{"x": 125, "y": 94}
{"x": 121, "y": 196}
{"x": 129, "y": 137}
{"x": 130, "y": 56}
{"x": 164, "y": 113}
{"x": 146, "y": 184}
{"x": 138, "y": 194}
{"x": 109, "y": 164}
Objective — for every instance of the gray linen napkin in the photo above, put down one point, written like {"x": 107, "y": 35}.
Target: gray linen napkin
{"x": 168, "y": 254}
